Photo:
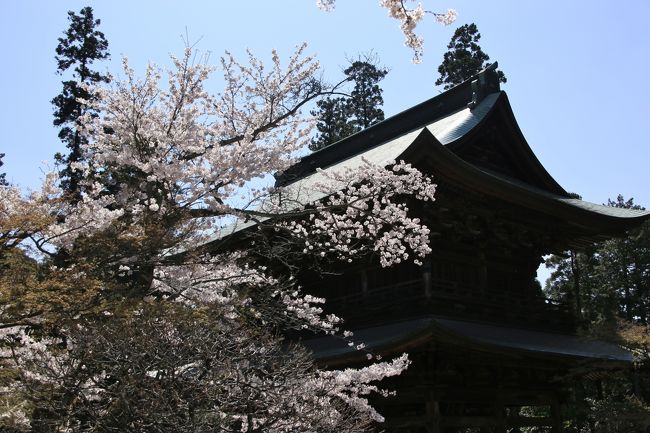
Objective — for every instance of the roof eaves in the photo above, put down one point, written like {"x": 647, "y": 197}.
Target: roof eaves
{"x": 449, "y": 165}
{"x": 388, "y": 338}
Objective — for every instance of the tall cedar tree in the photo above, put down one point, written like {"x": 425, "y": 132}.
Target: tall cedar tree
{"x": 342, "y": 116}
{"x": 464, "y": 58}
{"x": 3, "y": 180}
{"x": 82, "y": 45}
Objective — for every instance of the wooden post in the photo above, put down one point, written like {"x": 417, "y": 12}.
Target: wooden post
{"x": 483, "y": 271}
{"x": 433, "y": 414}
{"x": 436, "y": 418}
{"x": 500, "y": 417}
{"x": 426, "y": 279}
{"x": 557, "y": 417}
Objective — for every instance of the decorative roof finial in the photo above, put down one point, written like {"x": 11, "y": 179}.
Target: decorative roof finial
{"x": 484, "y": 83}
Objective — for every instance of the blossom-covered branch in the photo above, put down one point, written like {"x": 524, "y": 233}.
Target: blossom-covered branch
{"x": 408, "y": 18}
{"x": 366, "y": 211}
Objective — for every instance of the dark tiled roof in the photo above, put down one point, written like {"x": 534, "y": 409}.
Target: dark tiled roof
{"x": 448, "y": 119}
{"x": 470, "y": 92}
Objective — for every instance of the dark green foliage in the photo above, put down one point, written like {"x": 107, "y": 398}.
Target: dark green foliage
{"x": 365, "y": 99}
{"x": 464, "y": 58}
{"x": 574, "y": 283}
{"x": 609, "y": 280}
{"x": 604, "y": 406}
{"x": 3, "y": 180}
{"x": 625, "y": 269}
{"x": 339, "y": 117}
{"x": 82, "y": 45}
{"x": 333, "y": 122}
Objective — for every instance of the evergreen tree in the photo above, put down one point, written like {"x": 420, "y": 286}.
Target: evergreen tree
{"x": 3, "y": 180}
{"x": 78, "y": 49}
{"x": 333, "y": 122}
{"x": 364, "y": 104}
{"x": 464, "y": 58}
{"x": 343, "y": 116}
{"x": 607, "y": 287}
{"x": 611, "y": 279}
{"x": 624, "y": 268}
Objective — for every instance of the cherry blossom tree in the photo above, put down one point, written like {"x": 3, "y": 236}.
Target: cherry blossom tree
{"x": 140, "y": 308}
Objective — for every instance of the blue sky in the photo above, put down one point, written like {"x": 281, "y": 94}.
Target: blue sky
{"x": 576, "y": 70}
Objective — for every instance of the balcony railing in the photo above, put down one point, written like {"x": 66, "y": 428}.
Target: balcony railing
{"x": 411, "y": 298}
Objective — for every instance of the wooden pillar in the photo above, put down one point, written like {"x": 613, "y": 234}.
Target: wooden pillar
{"x": 556, "y": 415}
{"x": 436, "y": 418}
{"x": 500, "y": 417}
{"x": 426, "y": 278}
{"x": 483, "y": 271}
{"x": 499, "y": 404}
{"x": 364, "y": 282}
{"x": 433, "y": 414}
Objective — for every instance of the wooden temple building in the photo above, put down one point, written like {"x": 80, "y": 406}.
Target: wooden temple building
{"x": 489, "y": 353}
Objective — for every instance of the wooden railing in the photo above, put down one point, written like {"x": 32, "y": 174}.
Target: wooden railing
{"x": 411, "y": 298}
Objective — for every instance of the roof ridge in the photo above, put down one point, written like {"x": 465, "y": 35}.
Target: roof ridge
{"x": 466, "y": 94}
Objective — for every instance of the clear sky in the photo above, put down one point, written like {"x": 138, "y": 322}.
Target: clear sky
{"x": 577, "y": 70}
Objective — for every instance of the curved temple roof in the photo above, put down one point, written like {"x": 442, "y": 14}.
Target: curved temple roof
{"x": 434, "y": 131}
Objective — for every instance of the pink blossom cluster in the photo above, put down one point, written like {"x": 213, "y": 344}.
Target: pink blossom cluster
{"x": 211, "y": 279}
{"x": 37, "y": 360}
{"x": 368, "y": 213}
{"x": 60, "y": 222}
{"x": 190, "y": 149}
{"x": 448, "y": 17}
{"x": 308, "y": 310}
{"x": 326, "y": 5}
{"x": 350, "y": 386}
{"x": 353, "y": 386}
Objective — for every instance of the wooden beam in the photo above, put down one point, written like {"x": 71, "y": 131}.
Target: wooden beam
{"x": 521, "y": 421}
{"x": 557, "y": 417}
{"x": 468, "y": 421}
